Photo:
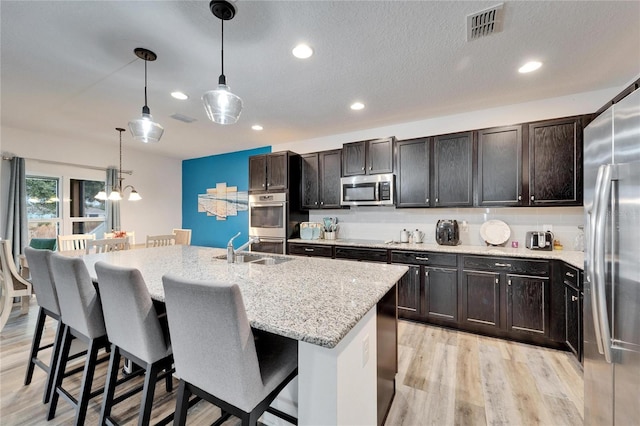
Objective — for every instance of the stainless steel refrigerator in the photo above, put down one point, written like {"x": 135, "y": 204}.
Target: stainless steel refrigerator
{"x": 612, "y": 265}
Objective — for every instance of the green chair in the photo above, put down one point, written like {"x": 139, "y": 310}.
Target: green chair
{"x": 36, "y": 243}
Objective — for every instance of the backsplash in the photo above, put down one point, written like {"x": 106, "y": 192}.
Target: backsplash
{"x": 385, "y": 223}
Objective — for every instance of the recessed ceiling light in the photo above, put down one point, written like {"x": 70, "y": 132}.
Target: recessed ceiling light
{"x": 179, "y": 95}
{"x": 256, "y": 127}
{"x": 357, "y": 106}
{"x": 302, "y": 51}
{"x": 529, "y": 66}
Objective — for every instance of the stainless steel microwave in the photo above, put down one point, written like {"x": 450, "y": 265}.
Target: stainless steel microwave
{"x": 370, "y": 190}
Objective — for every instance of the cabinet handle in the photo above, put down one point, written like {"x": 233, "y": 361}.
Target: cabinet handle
{"x": 370, "y": 167}
{"x": 427, "y": 200}
{"x": 574, "y": 298}
{"x": 426, "y": 274}
{"x": 505, "y": 265}
{"x": 268, "y": 184}
{"x": 263, "y": 185}
{"x": 497, "y": 280}
{"x": 436, "y": 200}
{"x": 519, "y": 197}
{"x": 321, "y": 203}
{"x": 417, "y": 271}
{"x": 316, "y": 203}
{"x": 533, "y": 198}
{"x": 362, "y": 168}
{"x": 569, "y": 274}
{"x": 308, "y": 249}
{"x": 421, "y": 258}
{"x": 509, "y": 282}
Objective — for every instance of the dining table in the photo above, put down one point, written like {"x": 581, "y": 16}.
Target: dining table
{"x": 329, "y": 306}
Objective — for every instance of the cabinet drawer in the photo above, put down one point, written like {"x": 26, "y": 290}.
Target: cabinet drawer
{"x": 311, "y": 250}
{"x": 423, "y": 258}
{"x": 570, "y": 276}
{"x": 507, "y": 264}
{"x": 371, "y": 255}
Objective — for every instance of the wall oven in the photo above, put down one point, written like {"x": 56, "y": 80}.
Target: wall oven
{"x": 268, "y": 215}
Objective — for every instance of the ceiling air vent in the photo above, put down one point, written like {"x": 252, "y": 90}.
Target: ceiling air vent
{"x": 181, "y": 117}
{"x": 485, "y": 22}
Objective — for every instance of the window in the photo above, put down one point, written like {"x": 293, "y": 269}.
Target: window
{"x": 43, "y": 206}
{"x": 87, "y": 214}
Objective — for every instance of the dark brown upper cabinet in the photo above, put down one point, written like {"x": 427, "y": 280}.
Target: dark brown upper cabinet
{"x": 500, "y": 166}
{"x": 412, "y": 172}
{"x": 368, "y": 157}
{"x": 321, "y": 173}
{"x": 555, "y": 162}
{"x": 269, "y": 172}
{"x": 452, "y": 170}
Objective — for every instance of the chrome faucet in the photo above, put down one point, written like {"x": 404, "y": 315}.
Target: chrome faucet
{"x": 231, "y": 253}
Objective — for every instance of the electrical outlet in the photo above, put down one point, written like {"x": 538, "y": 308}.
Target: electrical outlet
{"x": 547, "y": 228}
{"x": 365, "y": 350}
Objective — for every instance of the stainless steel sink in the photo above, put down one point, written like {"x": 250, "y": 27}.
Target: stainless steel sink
{"x": 257, "y": 259}
{"x": 248, "y": 258}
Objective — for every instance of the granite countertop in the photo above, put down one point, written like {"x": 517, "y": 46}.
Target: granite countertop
{"x": 314, "y": 300}
{"x": 574, "y": 258}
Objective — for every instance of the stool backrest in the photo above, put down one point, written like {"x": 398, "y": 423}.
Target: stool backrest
{"x": 41, "y": 278}
{"x": 129, "y": 315}
{"x": 160, "y": 240}
{"x": 106, "y": 245}
{"x": 213, "y": 346}
{"x": 183, "y": 236}
{"x": 79, "y": 301}
{"x": 74, "y": 241}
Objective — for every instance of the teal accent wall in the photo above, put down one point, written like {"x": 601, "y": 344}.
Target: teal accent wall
{"x": 200, "y": 174}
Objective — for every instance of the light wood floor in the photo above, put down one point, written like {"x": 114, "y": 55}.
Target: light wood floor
{"x": 445, "y": 377}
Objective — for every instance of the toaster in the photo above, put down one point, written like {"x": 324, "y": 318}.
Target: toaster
{"x": 539, "y": 240}
{"x": 447, "y": 232}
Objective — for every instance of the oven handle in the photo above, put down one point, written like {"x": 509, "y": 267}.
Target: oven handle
{"x": 278, "y": 204}
{"x": 270, "y": 239}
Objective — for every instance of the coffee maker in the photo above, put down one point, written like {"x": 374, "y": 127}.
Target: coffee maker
{"x": 447, "y": 232}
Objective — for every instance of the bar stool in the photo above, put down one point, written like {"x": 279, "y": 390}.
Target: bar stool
{"x": 81, "y": 314}
{"x": 40, "y": 268}
{"x": 216, "y": 356}
{"x": 136, "y": 332}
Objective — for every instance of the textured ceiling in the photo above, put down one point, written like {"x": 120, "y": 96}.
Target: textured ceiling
{"x": 68, "y": 68}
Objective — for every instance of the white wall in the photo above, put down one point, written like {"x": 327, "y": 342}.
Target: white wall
{"x": 157, "y": 178}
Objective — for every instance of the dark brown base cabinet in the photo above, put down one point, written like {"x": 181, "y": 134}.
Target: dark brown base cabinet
{"x": 573, "y": 296}
{"x": 481, "y": 300}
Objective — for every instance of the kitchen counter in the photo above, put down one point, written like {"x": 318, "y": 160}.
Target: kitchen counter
{"x": 308, "y": 299}
{"x": 574, "y": 258}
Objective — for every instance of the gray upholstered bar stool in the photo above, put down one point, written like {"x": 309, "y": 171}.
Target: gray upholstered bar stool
{"x": 135, "y": 331}
{"x": 44, "y": 287}
{"x": 81, "y": 314}
{"x": 216, "y": 356}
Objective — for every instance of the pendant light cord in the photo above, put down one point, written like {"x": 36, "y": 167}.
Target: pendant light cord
{"x": 222, "y": 79}
{"x": 120, "y": 169}
{"x": 145, "y": 91}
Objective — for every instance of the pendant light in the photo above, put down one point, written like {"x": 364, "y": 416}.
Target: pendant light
{"x": 144, "y": 129}
{"x": 118, "y": 190}
{"x": 222, "y": 106}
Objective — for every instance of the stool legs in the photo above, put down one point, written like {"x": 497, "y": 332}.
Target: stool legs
{"x": 35, "y": 345}
{"x": 110, "y": 387}
{"x": 182, "y": 404}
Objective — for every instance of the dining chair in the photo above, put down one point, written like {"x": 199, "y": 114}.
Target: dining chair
{"x": 131, "y": 235}
{"x": 74, "y": 241}
{"x": 81, "y": 314}
{"x": 160, "y": 240}
{"x": 218, "y": 357}
{"x": 183, "y": 236}
{"x": 13, "y": 285}
{"x": 107, "y": 245}
{"x": 135, "y": 332}
{"x": 47, "y": 298}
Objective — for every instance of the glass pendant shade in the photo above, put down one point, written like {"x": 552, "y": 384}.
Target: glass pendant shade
{"x": 144, "y": 129}
{"x": 115, "y": 196}
{"x": 134, "y": 196}
{"x": 222, "y": 106}
{"x": 102, "y": 195}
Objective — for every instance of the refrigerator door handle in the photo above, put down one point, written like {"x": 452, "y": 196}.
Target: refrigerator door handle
{"x": 593, "y": 216}
{"x": 601, "y": 203}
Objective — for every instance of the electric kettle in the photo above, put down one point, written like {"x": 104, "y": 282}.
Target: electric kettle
{"x": 418, "y": 236}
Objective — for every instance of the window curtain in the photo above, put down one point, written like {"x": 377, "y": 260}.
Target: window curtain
{"x": 16, "y": 226}
{"x": 112, "y": 207}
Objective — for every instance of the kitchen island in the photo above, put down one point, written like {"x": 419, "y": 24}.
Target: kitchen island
{"x": 331, "y": 307}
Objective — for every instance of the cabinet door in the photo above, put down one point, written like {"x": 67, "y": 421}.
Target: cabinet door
{"x": 453, "y": 170}
{"x": 310, "y": 169}
{"x": 409, "y": 294}
{"x": 380, "y": 156}
{"x": 441, "y": 290}
{"x": 527, "y": 304}
{"x": 412, "y": 173}
{"x": 573, "y": 319}
{"x": 257, "y": 173}
{"x": 354, "y": 158}
{"x": 277, "y": 169}
{"x": 555, "y": 162}
{"x": 330, "y": 172}
{"x": 500, "y": 166}
{"x": 481, "y": 300}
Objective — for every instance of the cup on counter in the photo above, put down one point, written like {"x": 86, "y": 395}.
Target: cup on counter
{"x": 514, "y": 244}
{"x": 329, "y": 235}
